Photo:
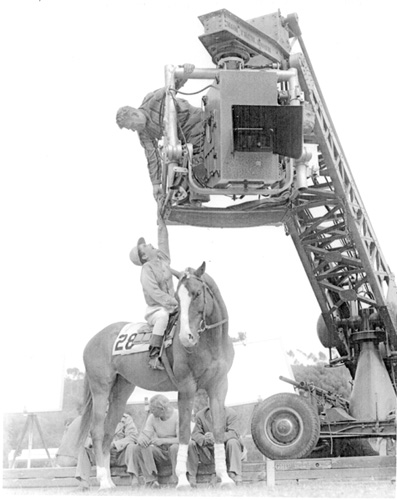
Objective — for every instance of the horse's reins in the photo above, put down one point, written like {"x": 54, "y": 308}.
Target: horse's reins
{"x": 203, "y": 324}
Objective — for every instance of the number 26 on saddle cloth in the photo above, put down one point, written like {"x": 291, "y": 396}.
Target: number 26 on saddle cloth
{"x": 135, "y": 337}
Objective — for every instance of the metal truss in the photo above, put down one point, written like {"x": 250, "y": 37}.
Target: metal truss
{"x": 335, "y": 240}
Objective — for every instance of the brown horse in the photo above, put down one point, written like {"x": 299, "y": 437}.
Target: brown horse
{"x": 201, "y": 356}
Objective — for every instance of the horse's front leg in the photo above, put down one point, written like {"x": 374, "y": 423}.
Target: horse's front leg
{"x": 185, "y": 407}
{"x": 106, "y": 459}
{"x": 102, "y": 468}
{"x": 217, "y": 406}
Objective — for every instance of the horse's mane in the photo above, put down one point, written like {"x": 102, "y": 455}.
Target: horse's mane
{"x": 214, "y": 287}
{"x": 217, "y": 294}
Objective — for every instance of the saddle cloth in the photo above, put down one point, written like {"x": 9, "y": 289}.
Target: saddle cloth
{"x": 135, "y": 337}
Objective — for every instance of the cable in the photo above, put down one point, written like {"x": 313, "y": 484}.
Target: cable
{"x": 193, "y": 93}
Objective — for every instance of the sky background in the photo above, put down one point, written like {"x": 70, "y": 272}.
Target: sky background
{"x": 76, "y": 193}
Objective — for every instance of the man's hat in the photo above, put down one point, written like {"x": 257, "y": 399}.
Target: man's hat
{"x": 135, "y": 255}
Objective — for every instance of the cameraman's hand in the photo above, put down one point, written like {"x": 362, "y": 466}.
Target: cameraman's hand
{"x": 188, "y": 68}
{"x": 157, "y": 192}
{"x": 160, "y": 219}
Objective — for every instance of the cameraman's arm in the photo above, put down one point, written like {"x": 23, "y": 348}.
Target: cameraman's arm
{"x": 162, "y": 236}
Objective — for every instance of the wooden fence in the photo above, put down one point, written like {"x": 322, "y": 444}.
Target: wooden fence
{"x": 271, "y": 472}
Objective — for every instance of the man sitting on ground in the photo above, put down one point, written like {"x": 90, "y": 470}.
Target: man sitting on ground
{"x": 121, "y": 451}
{"x": 68, "y": 450}
{"x": 201, "y": 445}
{"x": 158, "y": 442}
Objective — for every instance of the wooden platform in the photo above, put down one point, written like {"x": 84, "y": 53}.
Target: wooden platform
{"x": 331, "y": 469}
{"x": 241, "y": 216}
{"x": 268, "y": 471}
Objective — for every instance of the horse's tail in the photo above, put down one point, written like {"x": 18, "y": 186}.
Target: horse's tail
{"x": 86, "y": 415}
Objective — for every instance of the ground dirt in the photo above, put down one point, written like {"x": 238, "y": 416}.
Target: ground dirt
{"x": 309, "y": 489}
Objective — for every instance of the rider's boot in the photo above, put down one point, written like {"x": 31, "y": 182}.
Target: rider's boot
{"x": 154, "y": 352}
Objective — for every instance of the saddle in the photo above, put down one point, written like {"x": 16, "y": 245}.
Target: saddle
{"x": 135, "y": 337}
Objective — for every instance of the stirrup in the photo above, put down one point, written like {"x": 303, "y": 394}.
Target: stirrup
{"x": 156, "y": 364}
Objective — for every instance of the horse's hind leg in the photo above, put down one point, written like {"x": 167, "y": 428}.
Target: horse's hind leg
{"x": 100, "y": 398}
{"x": 119, "y": 395}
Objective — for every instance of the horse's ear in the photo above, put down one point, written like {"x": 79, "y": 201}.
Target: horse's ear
{"x": 200, "y": 271}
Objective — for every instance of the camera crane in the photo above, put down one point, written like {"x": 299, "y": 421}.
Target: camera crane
{"x": 269, "y": 136}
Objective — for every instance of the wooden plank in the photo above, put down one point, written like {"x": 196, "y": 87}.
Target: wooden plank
{"x": 336, "y": 463}
{"x": 302, "y": 464}
{"x": 250, "y": 477}
{"x": 270, "y": 473}
{"x": 360, "y": 468}
{"x": 59, "y": 482}
{"x": 42, "y": 472}
{"x": 55, "y": 472}
{"x": 359, "y": 462}
{"x": 40, "y": 483}
{"x": 253, "y": 466}
{"x": 330, "y": 474}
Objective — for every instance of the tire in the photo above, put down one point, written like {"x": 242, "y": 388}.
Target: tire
{"x": 285, "y": 426}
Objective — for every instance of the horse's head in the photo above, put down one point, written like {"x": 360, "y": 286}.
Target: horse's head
{"x": 196, "y": 302}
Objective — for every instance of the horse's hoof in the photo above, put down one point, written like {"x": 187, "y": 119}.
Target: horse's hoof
{"x": 227, "y": 483}
{"x": 183, "y": 487}
{"x": 183, "y": 484}
{"x": 228, "y": 486}
{"x": 107, "y": 486}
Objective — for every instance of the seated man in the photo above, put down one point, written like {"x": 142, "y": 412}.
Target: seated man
{"x": 201, "y": 445}
{"x": 158, "y": 442}
{"x": 68, "y": 449}
{"x": 121, "y": 452}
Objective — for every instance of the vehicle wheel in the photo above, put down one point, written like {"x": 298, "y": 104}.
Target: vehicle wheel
{"x": 285, "y": 426}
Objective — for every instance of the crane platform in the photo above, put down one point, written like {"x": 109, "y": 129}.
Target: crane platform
{"x": 249, "y": 214}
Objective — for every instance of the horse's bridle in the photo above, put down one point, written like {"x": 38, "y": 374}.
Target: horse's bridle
{"x": 203, "y": 325}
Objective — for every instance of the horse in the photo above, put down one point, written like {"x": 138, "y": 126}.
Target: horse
{"x": 200, "y": 356}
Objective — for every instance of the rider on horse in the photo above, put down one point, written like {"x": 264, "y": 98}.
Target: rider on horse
{"x": 158, "y": 289}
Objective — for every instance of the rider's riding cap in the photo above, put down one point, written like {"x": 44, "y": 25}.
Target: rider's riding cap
{"x": 135, "y": 254}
